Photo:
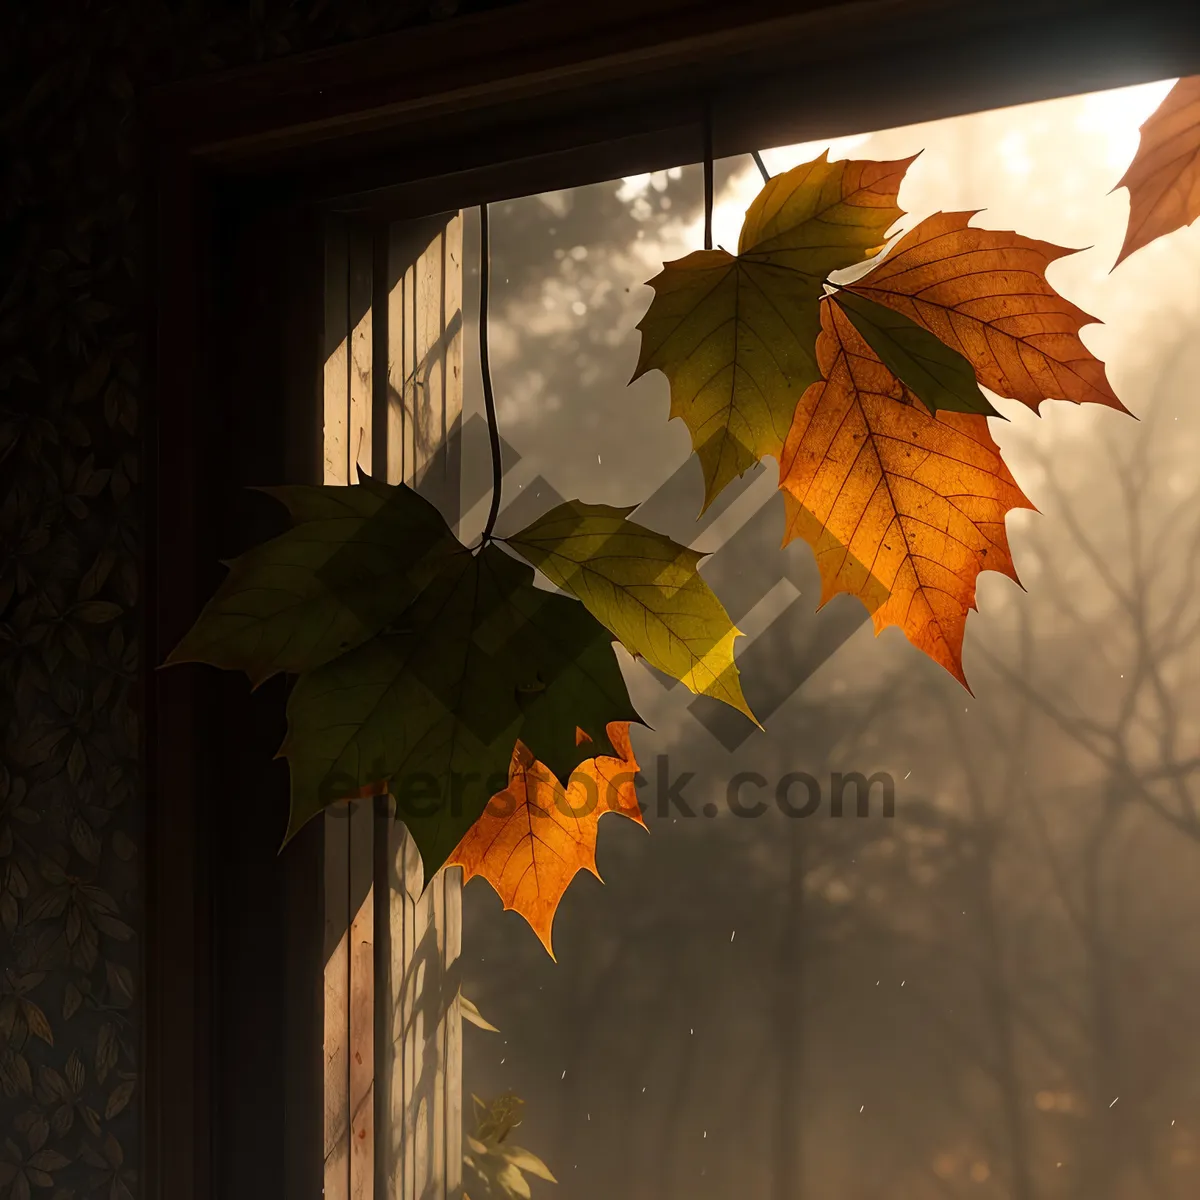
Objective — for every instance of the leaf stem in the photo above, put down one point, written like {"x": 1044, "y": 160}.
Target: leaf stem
{"x": 762, "y": 166}
{"x": 485, "y": 370}
{"x": 708, "y": 174}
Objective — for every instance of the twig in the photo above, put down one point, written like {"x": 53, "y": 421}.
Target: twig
{"x": 485, "y": 368}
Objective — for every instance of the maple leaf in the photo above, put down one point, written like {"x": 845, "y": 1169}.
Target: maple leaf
{"x": 355, "y": 557}
{"x": 938, "y": 375}
{"x": 984, "y": 293}
{"x": 434, "y": 703}
{"x": 1164, "y": 177}
{"x": 902, "y": 508}
{"x": 734, "y": 334}
{"x": 534, "y": 836}
{"x": 644, "y": 587}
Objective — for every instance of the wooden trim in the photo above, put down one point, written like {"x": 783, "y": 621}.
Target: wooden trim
{"x": 232, "y": 949}
{"x": 836, "y": 72}
{"x": 543, "y": 49}
{"x": 494, "y": 105}
{"x": 535, "y": 47}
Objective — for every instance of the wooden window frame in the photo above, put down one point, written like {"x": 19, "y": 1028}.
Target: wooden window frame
{"x": 243, "y": 166}
{"x": 393, "y": 395}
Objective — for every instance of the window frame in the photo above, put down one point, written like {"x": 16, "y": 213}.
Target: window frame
{"x": 242, "y": 167}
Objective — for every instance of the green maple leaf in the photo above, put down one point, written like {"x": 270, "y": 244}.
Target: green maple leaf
{"x": 644, "y": 587}
{"x": 355, "y": 558}
{"x": 735, "y": 335}
{"x": 435, "y": 703}
{"x": 936, "y": 373}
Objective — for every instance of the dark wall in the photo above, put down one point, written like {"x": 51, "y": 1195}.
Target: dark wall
{"x": 76, "y": 319}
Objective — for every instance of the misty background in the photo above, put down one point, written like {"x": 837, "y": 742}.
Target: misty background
{"x": 993, "y": 994}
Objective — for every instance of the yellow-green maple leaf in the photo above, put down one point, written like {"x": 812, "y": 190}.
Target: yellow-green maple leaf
{"x": 735, "y": 335}
{"x": 644, "y": 588}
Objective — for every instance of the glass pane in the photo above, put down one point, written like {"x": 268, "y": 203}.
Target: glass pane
{"x": 978, "y": 980}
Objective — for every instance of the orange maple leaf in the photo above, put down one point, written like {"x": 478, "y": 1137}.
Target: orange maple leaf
{"x": 984, "y": 293}
{"x": 734, "y": 333}
{"x": 1164, "y": 177}
{"x": 534, "y": 836}
{"x": 903, "y": 509}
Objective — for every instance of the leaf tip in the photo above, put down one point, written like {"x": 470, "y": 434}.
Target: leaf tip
{"x": 544, "y": 936}
{"x": 293, "y": 828}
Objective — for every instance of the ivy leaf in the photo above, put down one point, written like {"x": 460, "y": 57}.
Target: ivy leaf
{"x": 356, "y": 557}
{"x": 433, "y": 706}
{"x": 119, "y": 1099}
{"x": 1164, "y": 177}
{"x": 642, "y": 586}
{"x": 938, "y": 375}
{"x": 107, "y": 1051}
{"x": 97, "y": 612}
{"x": 72, "y": 1001}
{"x": 984, "y": 293}
{"x": 120, "y": 984}
{"x": 36, "y": 1019}
{"x": 535, "y": 836}
{"x": 735, "y": 335}
{"x": 871, "y": 478}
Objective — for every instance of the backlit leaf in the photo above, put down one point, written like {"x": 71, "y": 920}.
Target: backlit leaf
{"x": 354, "y": 559}
{"x": 534, "y": 836}
{"x": 469, "y": 1011}
{"x": 984, "y": 293}
{"x": 940, "y": 377}
{"x": 823, "y": 216}
{"x": 434, "y": 705}
{"x": 903, "y": 509}
{"x": 642, "y": 586}
{"x": 525, "y": 1160}
{"x": 1164, "y": 177}
{"x": 495, "y": 1121}
{"x": 735, "y": 335}
{"x": 496, "y": 1163}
